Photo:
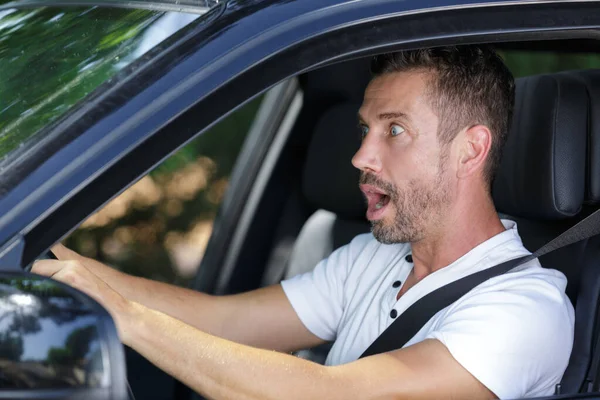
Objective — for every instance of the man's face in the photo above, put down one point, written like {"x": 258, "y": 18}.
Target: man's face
{"x": 406, "y": 175}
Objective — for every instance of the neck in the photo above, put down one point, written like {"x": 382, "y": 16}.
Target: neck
{"x": 472, "y": 223}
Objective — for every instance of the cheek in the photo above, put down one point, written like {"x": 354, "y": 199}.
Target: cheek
{"x": 399, "y": 168}
{"x": 409, "y": 163}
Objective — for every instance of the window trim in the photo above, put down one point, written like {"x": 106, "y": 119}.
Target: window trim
{"x": 181, "y": 113}
{"x": 266, "y": 140}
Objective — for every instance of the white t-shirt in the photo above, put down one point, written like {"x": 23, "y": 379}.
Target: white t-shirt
{"x": 514, "y": 332}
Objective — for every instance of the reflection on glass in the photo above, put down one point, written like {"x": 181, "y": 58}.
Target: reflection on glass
{"x": 53, "y": 57}
{"x": 48, "y": 339}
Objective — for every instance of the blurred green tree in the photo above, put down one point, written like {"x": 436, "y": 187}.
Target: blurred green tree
{"x": 77, "y": 346}
{"x": 54, "y": 57}
{"x": 11, "y": 346}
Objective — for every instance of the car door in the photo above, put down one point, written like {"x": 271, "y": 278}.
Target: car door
{"x": 199, "y": 76}
{"x": 229, "y": 56}
{"x": 159, "y": 227}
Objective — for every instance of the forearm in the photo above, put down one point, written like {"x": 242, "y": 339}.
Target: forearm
{"x": 220, "y": 369}
{"x": 223, "y": 316}
{"x": 194, "y": 308}
{"x": 140, "y": 290}
{"x": 241, "y": 318}
{"x": 227, "y": 316}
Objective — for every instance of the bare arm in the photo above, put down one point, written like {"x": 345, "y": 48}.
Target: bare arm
{"x": 262, "y": 318}
{"x": 222, "y": 369}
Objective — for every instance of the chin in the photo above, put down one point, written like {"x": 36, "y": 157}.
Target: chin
{"x": 384, "y": 233}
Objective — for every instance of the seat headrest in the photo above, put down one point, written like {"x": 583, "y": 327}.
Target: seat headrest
{"x": 542, "y": 172}
{"x": 591, "y": 79}
{"x": 330, "y": 181}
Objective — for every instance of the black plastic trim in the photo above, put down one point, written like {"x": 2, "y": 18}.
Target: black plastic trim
{"x": 468, "y": 25}
{"x": 243, "y": 182}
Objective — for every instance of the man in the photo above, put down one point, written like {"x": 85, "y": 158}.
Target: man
{"x": 433, "y": 123}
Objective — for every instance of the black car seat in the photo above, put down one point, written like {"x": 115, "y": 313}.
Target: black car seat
{"x": 585, "y": 357}
{"x": 330, "y": 183}
{"x": 548, "y": 180}
{"x": 541, "y": 184}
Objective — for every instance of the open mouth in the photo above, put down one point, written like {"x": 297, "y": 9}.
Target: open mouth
{"x": 377, "y": 201}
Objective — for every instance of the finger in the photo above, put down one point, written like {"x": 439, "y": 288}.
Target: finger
{"x": 63, "y": 253}
{"x": 47, "y": 267}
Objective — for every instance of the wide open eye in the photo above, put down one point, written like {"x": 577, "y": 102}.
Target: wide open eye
{"x": 396, "y": 130}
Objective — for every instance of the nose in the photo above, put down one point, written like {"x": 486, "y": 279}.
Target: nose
{"x": 367, "y": 158}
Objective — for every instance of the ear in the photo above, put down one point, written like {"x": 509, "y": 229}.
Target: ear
{"x": 474, "y": 150}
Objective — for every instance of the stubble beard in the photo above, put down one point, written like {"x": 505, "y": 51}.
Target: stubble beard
{"x": 418, "y": 208}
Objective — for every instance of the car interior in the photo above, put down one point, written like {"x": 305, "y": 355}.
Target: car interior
{"x": 548, "y": 181}
{"x": 309, "y": 203}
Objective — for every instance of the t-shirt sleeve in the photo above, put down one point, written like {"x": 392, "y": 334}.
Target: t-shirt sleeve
{"x": 511, "y": 341}
{"x": 318, "y": 296}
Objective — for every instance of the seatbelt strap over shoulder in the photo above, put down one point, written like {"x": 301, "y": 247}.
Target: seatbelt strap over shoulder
{"x": 416, "y": 316}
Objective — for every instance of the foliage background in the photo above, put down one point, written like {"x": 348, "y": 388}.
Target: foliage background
{"x": 52, "y": 58}
{"x": 150, "y": 240}
{"x": 160, "y": 226}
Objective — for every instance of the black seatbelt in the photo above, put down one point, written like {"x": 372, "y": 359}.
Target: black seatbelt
{"x": 416, "y": 316}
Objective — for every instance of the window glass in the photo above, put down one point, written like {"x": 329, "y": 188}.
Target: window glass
{"x": 53, "y": 57}
{"x": 160, "y": 226}
{"x": 524, "y": 63}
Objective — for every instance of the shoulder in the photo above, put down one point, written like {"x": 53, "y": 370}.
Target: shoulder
{"x": 514, "y": 332}
{"x": 531, "y": 282}
{"x": 525, "y": 295}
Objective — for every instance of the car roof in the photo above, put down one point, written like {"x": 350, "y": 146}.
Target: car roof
{"x": 192, "y": 81}
{"x": 194, "y": 6}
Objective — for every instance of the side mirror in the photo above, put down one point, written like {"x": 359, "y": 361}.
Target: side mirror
{"x": 56, "y": 343}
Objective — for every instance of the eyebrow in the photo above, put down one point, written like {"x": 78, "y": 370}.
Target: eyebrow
{"x": 386, "y": 116}
{"x": 392, "y": 115}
